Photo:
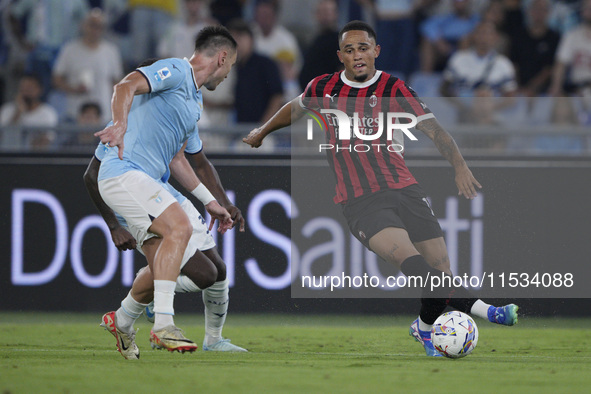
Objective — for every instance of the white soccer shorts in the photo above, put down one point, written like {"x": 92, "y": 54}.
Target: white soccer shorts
{"x": 138, "y": 198}
{"x": 201, "y": 239}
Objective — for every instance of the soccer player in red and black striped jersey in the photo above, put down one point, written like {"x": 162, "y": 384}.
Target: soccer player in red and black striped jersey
{"x": 363, "y": 170}
{"x": 384, "y": 206}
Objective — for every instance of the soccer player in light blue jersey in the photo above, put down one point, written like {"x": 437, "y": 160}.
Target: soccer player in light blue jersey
{"x": 155, "y": 110}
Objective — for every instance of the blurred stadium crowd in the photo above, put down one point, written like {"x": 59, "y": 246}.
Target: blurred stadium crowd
{"x": 501, "y": 75}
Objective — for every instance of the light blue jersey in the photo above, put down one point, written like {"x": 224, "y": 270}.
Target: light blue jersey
{"x": 159, "y": 122}
{"x": 100, "y": 153}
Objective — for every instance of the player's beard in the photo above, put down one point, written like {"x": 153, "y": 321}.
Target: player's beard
{"x": 361, "y": 77}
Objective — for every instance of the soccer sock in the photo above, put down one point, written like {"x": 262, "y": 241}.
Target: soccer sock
{"x": 215, "y": 299}
{"x": 424, "y": 326}
{"x": 457, "y": 297}
{"x": 462, "y": 299}
{"x": 128, "y": 313}
{"x": 480, "y": 309}
{"x": 163, "y": 303}
{"x": 431, "y": 308}
{"x": 417, "y": 266}
{"x": 185, "y": 285}
{"x": 432, "y": 302}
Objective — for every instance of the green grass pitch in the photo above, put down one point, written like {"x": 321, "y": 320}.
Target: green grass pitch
{"x": 70, "y": 353}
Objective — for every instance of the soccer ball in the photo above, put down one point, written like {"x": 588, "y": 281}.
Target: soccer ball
{"x": 454, "y": 334}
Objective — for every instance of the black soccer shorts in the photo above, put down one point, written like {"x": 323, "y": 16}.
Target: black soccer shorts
{"x": 405, "y": 208}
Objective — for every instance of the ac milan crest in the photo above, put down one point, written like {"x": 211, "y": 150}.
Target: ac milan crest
{"x": 373, "y": 100}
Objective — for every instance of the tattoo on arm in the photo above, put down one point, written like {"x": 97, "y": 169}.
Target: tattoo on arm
{"x": 442, "y": 140}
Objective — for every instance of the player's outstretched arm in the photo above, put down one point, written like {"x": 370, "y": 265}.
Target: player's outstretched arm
{"x": 281, "y": 119}
{"x": 446, "y": 145}
{"x": 122, "y": 239}
{"x": 133, "y": 84}
{"x": 209, "y": 176}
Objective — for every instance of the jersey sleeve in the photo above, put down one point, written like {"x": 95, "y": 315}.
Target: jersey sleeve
{"x": 308, "y": 98}
{"x": 409, "y": 101}
{"x": 194, "y": 143}
{"x": 164, "y": 74}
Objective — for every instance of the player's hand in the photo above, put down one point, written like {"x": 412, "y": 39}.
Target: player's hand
{"x": 237, "y": 217}
{"x": 466, "y": 183}
{"x": 220, "y": 213}
{"x": 254, "y": 138}
{"x": 122, "y": 239}
{"x": 112, "y": 136}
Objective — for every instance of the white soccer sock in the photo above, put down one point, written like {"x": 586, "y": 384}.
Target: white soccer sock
{"x": 163, "y": 303}
{"x": 128, "y": 313}
{"x": 480, "y": 309}
{"x": 424, "y": 326}
{"x": 215, "y": 299}
{"x": 186, "y": 285}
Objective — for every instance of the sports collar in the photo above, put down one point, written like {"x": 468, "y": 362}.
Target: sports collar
{"x": 360, "y": 85}
{"x": 192, "y": 74}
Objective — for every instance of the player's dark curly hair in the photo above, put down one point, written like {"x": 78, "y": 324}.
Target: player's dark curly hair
{"x": 358, "y": 25}
{"x": 213, "y": 38}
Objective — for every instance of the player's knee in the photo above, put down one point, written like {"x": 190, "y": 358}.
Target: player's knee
{"x": 182, "y": 231}
{"x": 209, "y": 278}
{"x": 204, "y": 278}
{"x": 221, "y": 272}
{"x": 220, "y": 266}
{"x": 217, "y": 260}
{"x": 395, "y": 256}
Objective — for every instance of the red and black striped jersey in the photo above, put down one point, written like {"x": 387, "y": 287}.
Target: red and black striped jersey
{"x": 365, "y": 166}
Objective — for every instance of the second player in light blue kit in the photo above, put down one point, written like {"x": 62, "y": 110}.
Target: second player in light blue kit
{"x": 202, "y": 268}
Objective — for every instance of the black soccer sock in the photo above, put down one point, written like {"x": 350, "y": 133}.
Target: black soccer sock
{"x": 462, "y": 302}
{"x": 431, "y": 305}
{"x": 431, "y": 309}
{"x": 434, "y": 300}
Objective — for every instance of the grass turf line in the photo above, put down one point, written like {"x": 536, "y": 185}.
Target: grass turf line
{"x": 42, "y": 352}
